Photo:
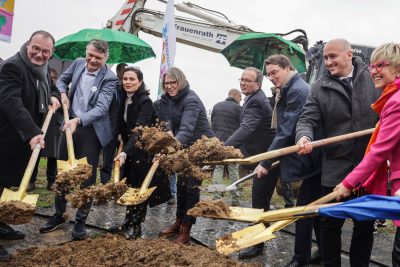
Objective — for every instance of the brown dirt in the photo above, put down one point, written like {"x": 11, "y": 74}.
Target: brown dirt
{"x": 101, "y": 193}
{"x": 112, "y": 250}
{"x": 227, "y": 241}
{"x": 132, "y": 193}
{"x": 16, "y": 212}
{"x": 69, "y": 180}
{"x": 156, "y": 140}
{"x": 211, "y": 149}
{"x": 213, "y": 208}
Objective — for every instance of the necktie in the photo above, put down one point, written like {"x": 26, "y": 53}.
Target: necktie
{"x": 349, "y": 82}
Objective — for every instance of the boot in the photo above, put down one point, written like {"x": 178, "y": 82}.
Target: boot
{"x": 172, "y": 229}
{"x": 183, "y": 237}
{"x": 134, "y": 232}
{"x": 137, "y": 217}
{"x": 126, "y": 224}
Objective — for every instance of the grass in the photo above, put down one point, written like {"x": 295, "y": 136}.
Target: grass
{"x": 46, "y": 198}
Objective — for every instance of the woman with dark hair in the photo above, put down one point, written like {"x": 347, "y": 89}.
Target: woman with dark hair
{"x": 137, "y": 109}
{"x": 187, "y": 120}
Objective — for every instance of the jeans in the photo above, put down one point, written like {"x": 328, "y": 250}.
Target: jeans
{"x": 172, "y": 184}
{"x": 233, "y": 174}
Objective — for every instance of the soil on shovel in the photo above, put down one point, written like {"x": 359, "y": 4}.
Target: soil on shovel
{"x": 211, "y": 149}
{"x": 133, "y": 194}
{"x": 69, "y": 180}
{"x": 101, "y": 193}
{"x": 111, "y": 250}
{"x": 213, "y": 208}
{"x": 16, "y": 212}
{"x": 227, "y": 241}
{"x": 156, "y": 140}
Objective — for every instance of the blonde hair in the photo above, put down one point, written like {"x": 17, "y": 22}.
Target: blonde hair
{"x": 389, "y": 52}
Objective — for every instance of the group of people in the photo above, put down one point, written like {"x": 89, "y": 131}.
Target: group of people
{"x": 102, "y": 106}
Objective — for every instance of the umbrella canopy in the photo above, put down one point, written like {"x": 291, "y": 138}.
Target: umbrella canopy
{"x": 251, "y": 49}
{"x": 124, "y": 47}
{"x": 370, "y": 207}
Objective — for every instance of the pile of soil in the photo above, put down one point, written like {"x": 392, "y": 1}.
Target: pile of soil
{"x": 69, "y": 180}
{"x": 156, "y": 140}
{"x": 211, "y": 149}
{"x": 16, "y": 212}
{"x": 101, "y": 193}
{"x": 210, "y": 208}
{"x": 112, "y": 250}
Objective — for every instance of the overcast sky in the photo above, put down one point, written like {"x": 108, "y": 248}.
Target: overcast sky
{"x": 368, "y": 22}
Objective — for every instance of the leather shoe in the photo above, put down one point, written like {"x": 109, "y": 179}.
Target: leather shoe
{"x": 315, "y": 257}
{"x": 9, "y": 233}
{"x": 294, "y": 263}
{"x": 4, "y": 255}
{"x": 79, "y": 231}
{"x": 52, "y": 224}
{"x": 251, "y": 252}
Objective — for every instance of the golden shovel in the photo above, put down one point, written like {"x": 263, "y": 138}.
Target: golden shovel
{"x": 21, "y": 195}
{"x": 259, "y": 233}
{"x": 72, "y": 162}
{"x": 294, "y": 149}
{"x": 117, "y": 165}
{"x": 136, "y": 196}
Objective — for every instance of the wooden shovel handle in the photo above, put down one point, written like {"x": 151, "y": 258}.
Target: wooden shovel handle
{"x": 68, "y": 134}
{"x": 117, "y": 164}
{"x": 149, "y": 177}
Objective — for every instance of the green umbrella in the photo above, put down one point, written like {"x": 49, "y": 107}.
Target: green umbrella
{"x": 251, "y": 49}
{"x": 124, "y": 47}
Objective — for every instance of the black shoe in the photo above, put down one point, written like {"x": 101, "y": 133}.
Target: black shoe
{"x": 9, "y": 233}
{"x": 120, "y": 228}
{"x": 134, "y": 232}
{"x": 49, "y": 185}
{"x": 4, "y": 255}
{"x": 315, "y": 257}
{"x": 52, "y": 224}
{"x": 79, "y": 231}
{"x": 251, "y": 252}
{"x": 31, "y": 186}
{"x": 294, "y": 263}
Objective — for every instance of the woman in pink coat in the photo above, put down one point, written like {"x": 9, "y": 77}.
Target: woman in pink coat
{"x": 383, "y": 149}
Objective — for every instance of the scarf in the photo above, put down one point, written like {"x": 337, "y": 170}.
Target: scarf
{"x": 42, "y": 84}
{"x": 378, "y": 177}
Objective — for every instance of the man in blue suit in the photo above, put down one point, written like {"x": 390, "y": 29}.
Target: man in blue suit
{"x": 93, "y": 85}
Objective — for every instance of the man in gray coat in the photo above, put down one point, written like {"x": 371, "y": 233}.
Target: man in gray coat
{"x": 340, "y": 102}
{"x": 93, "y": 85}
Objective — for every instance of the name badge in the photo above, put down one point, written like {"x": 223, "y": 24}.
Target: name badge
{"x": 93, "y": 89}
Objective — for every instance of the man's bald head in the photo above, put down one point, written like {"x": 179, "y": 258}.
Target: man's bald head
{"x": 235, "y": 94}
{"x": 340, "y": 42}
{"x": 338, "y": 57}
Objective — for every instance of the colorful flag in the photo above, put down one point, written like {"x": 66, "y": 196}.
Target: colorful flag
{"x": 6, "y": 19}
{"x": 169, "y": 43}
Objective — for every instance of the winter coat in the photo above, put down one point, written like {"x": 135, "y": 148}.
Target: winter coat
{"x": 186, "y": 116}
{"x": 289, "y": 107}
{"x": 225, "y": 118}
{"x": 140, "y": 112}
{"x": 330, "y": 106}
{"x": 254, "y": 134}
{"x": 20, "y": 119}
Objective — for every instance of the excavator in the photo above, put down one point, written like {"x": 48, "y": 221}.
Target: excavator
{"x": 213, "y": 31}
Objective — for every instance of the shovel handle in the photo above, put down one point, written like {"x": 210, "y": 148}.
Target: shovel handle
{"x": 117, "y": 164}
{"x": 68, "y": 134}
{"x": 34, "y": 157}
{"x": 149, "y": 177}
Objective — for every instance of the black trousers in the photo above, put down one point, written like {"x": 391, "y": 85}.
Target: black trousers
{"x": 263, "y": 189}
{"x": 310, "y": 191}
{"x": 108, "y": 161}
{"x": 187, "y": 195}
{"x": 86, "y": 144}
{"x": 331, "y": 243}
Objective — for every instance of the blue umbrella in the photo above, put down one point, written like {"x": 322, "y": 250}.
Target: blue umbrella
{"x": 370, "y": 207}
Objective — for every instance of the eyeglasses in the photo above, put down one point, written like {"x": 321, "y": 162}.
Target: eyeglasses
{"x": 273, "y": 73}
{"x": 172, "y": 83}
{"x": 247, "y": 81}
{"x": 378, "y": 66}
{"x": 45, "y": 52}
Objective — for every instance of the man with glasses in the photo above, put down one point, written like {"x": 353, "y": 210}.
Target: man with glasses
{"x": 340, "y": 103}
{"x": 25, "y": 96}
{"x": 93, "y": 85}
{"x": 254, "y": 136}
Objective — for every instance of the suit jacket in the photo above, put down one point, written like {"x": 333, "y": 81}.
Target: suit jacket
{"x": 254, "y": 134}
{"x": 97, "y": 115}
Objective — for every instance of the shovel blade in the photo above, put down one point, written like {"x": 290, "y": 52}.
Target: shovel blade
{"x": 9, "y": 195}
{"x": 67, "y": 165}
{"x": 244, "y": 238}
{"x": 132, "y": 197}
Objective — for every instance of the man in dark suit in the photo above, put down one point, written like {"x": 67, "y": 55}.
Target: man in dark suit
{"x": 92, "y": 88}
{"x": 254, "y": 136}
{"x": 25, "y": 94}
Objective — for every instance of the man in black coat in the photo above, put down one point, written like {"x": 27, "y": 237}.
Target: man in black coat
{"x": 254, "y": 136}
{"x": 340, "y": 102}
{"x": 225, "y": 120}
{"x": 25, "y": 95}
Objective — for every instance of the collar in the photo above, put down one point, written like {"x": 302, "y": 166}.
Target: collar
{"x": 91, "y": 73}
{"x": 348, "y": 75}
